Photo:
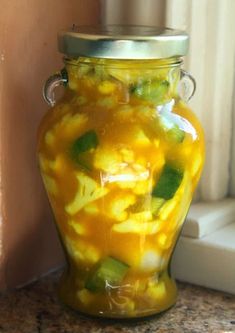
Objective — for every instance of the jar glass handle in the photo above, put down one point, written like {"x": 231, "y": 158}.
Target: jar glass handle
{"x": 187, "y": 85}
{"x": 53, "y": 82}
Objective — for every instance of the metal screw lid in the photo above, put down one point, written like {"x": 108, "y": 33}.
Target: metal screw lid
{"x": 123, "y": 42}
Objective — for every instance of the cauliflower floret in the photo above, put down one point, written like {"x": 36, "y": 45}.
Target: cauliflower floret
{"x": 91, "y": 209}
{"x": 164, "y": 241}
{"x": 157, "y": 291}
{"x": 124, "y": 184}
{"x": 137, "y": 136}
{"x": 128, "y": 155}
{"x": 136, "y": 180}
{"x": 117, "y": 207}
{"x": 107, "y": 159}
{"x": 106, "y": 87}
{"x": 139, "y": 223}
{"x": 156, "y": 143}
{"x": 77, "y": 227}
{"x": 134, "y": 227}
{"x": 57, "y": 166}
{"x": 151, "y": 260}
{"x": 140, "y": 138}
{"x": 143, "y": 187}
{"x": 69, "y": 124}
{"x": 49, "y": 138}
{"x": 88, "y": 191}
{"x": 85, "y": 296}
{"x": 127, "y": 174}
{"x": 73, "y": 124}
{"x": 119, "y": 167}
{"x": 82, "y": 251}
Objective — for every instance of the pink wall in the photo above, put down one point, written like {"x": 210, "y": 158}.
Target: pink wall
{"x": 29, "y": 245}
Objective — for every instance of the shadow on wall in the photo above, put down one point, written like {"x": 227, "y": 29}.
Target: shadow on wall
{"x": 29, "y": 55}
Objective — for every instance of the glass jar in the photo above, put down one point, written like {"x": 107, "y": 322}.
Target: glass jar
{"x": 120, "y": 155}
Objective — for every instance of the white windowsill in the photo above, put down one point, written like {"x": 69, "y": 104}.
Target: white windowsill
{"x": 207, "y": 257}
{"x": 206, "y": 217}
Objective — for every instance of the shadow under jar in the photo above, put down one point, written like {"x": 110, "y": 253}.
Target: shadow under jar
{"x": 120, "y": 155}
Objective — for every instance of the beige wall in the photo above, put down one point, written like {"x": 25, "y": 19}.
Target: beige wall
{"x": 28, "y": 55}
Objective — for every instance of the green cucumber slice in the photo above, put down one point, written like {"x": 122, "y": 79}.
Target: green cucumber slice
{"x": 110, "y": 271}
{"x": 87, "y": 141}
{"x": 154, "y": 91}
{"x": 168, "y": 183}
{"x": 81, "y": 148}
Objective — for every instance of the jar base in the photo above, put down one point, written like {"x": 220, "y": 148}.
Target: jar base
{"x": 143, "y": 309}
{"x": 116, "y": 316}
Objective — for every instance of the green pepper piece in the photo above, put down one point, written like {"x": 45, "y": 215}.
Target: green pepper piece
{"x": 168, "y": 183}
{"x": 110, "y": 271}
{"x": 81, "y": 148}
{"x": 154, "y": 91}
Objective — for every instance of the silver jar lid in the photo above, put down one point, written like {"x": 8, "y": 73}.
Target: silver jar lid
{"x": 123, "y": 42}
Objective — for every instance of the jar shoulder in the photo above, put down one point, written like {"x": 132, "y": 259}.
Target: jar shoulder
{"x": 119, "y": 119}
{"x": 187, "y": 113}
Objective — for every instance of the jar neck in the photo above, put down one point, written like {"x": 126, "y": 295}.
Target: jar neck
{"x": 98, "y": 78}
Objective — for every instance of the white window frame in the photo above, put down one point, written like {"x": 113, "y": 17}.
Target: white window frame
{"x": 205, "y": 253}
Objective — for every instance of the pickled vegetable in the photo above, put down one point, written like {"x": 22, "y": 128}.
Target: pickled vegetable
{"x": 120, "y": 156}
{"x": 87, "y": 192}
{"x": 109, "y": 273}
{"x": 155, "y": 91}
{"x": 168, "y": 183}
{"x": 82, "y": 147}
{"x": 84, "y": 143}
